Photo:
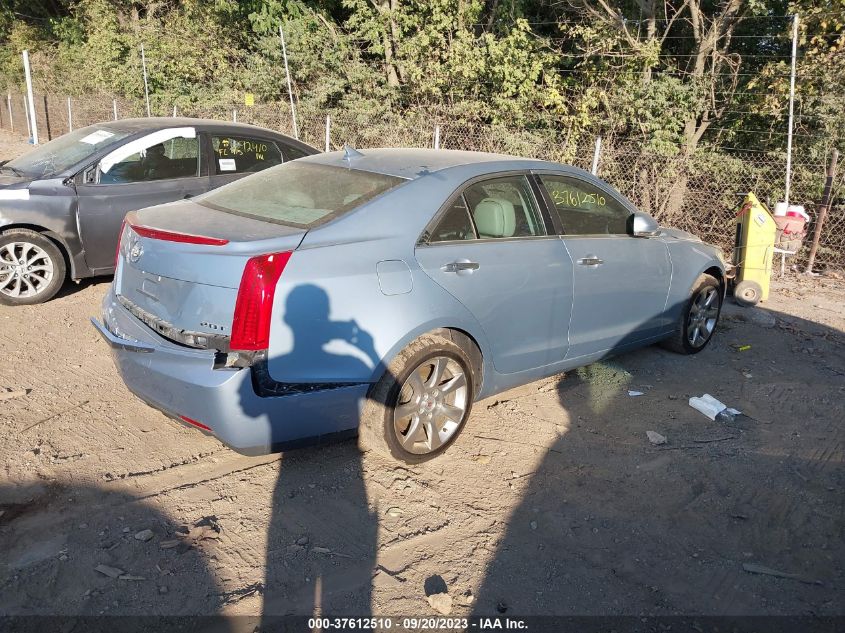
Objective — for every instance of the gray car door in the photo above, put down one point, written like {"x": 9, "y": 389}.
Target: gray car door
{"x": 490, "y": 249}
{"x": 621, "y": 283}
{"x": 161, "y": 167}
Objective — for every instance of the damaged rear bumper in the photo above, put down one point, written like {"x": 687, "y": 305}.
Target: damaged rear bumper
{"x": 180, "y": 381}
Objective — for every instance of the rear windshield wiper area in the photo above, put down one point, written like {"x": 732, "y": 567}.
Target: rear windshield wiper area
{"x": 16, "y": 172}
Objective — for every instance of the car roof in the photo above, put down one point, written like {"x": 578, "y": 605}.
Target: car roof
{"x": 161, "y": 123}
{"x": 413, "y": 163}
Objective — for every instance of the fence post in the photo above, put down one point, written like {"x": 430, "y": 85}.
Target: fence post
{"x": 11, "y": 117}
{"x": 596, "y": 154}
{"x": 114, "y": 107}
{"x": 235, "y": 116}
{"x": 436, "y": 137}
{"x": 328, "y": 131}
{"x": 26, "y": 116}
{"x": 287, "y": 75}
{"x": 146, "y": 89}
{"x": 47, "y": 119}
{"x": 33, "y": 125}
{"x": 791, "y": 108}
{"x": 823, "y": 209}
{"x": 174, "y": 112}
{"x": 69, "y": 116}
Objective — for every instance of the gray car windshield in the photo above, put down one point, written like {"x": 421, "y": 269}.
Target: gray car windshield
{"x": 66, "y": 151}
{"x": 299, "y": 194}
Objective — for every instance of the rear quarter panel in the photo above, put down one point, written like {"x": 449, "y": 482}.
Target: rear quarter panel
{"x": 335, "y": 319}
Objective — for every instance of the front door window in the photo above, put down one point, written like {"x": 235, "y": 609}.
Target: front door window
{"x": 152, "y": 158}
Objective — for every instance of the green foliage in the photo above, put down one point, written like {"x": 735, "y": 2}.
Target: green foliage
{"x": 536, "y": 71}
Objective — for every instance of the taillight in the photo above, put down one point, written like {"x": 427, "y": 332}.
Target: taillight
{"x": 254, "y": 306}
{"x": 117, "y": 250}
{"x": 169, "y": 236}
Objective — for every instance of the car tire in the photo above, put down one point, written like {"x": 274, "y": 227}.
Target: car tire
{"x": 698, "y": 319}
{"x": 747, "y": 293}
{"x": 432, "y": 406}
{"x": 40, "y": 281}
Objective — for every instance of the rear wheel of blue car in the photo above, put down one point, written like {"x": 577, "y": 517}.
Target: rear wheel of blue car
{"x": 699, "y": 317}
{"x": 422, "y": 402}
{"x": 32, "y": 268}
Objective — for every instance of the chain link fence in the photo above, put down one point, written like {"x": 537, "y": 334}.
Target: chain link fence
{"x": 699, "y": 193}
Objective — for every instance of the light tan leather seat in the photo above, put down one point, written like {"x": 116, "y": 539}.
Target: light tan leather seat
{"x": 495, "y": 217}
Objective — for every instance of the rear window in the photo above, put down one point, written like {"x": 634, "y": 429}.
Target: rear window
{"x": 244, "y": 154}
{"x": 300, "y": 194}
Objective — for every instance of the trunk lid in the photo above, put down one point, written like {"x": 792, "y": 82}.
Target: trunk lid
{"x": 187, "y": 291}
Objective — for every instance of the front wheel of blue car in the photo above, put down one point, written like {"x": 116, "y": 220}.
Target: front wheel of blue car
{"x": 699, "y": 317}
{"x": 421, "y": 404}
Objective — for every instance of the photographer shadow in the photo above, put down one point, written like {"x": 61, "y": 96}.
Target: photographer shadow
{"x": 321, "y": 539}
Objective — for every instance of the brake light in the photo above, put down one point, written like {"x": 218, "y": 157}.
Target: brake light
{"x": 254, "y": 305}
{"x": 119, "y": 238}
{"x": 170, "y": 236}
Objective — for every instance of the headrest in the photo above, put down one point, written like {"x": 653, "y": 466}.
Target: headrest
{"x": 495, "y": 217}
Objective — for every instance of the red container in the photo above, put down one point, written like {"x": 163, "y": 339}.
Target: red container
{"x": 790, "y": 233}
{"x": 791, "y": 224}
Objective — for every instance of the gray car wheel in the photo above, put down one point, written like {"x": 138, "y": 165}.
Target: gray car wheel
{"x": 422, "y": 402}
{"x": 32, "y": 268}
{"x": 699, "y": 317}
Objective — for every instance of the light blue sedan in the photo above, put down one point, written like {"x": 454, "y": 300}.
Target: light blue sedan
{"x": 382, "y": 292}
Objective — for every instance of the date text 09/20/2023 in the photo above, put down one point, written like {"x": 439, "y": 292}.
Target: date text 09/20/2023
{"x": 417, "y": 624}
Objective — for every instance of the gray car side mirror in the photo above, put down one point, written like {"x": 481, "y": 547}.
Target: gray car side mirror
{"x": 89, "y": 176}
{"x": 642, "y": 225}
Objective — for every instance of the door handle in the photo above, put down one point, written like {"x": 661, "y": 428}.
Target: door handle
{"x": 590, "y": 260}
{"x": 459, "y": 266}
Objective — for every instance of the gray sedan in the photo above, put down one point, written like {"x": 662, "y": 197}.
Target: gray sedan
{"x": 62, "y": 203}
{"x": 386, "y": 290}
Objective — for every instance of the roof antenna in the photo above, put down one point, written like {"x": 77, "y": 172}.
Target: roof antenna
{"x": 350, "y": 152}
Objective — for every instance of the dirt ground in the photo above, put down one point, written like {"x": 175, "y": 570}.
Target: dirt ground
{"x": 552, "y": 501}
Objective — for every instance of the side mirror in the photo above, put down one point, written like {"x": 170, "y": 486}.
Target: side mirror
{"x": 89, "y": 176}
{"x": 642, "y": 225}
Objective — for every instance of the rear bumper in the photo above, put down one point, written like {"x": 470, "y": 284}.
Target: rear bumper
{"x": 180, "y": 381}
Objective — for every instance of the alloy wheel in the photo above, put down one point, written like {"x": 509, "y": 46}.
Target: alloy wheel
{"x": 25, "y": 270}
{"x": 703, "y": 315}
{"x": 431, "y": 406}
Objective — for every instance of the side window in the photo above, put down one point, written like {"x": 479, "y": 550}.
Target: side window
{"x": 454, "y": 225}
{"x": 504, "y": 207}
{"x": 177, "y": 157}
{"x": 292, "y": 153}
{"x": 242, "y": 154}
{"x": 584, "y": 209}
